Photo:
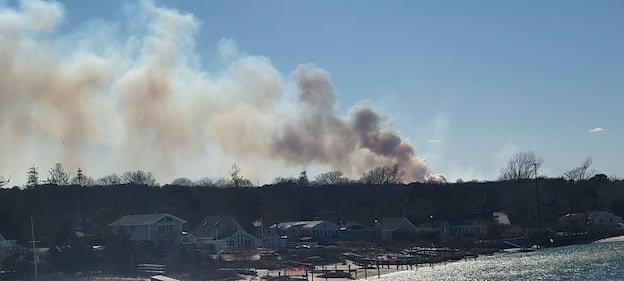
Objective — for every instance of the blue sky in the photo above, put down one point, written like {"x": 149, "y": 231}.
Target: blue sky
{"x": 467, "y": 82}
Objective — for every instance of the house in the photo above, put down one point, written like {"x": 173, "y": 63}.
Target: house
{"x": 302, "y": 232}
{"x": 7, "y": 247}
{"x": 163, "y": 229}
{"x": 220, "y": 232}
{"x": 445, "y": 227}
{"x": 358, "y": 232}
{"x": 392, "y": 227}
{"x": 427, "y": 230}
{"x": 603, "y": 218}
{"x": 467, "y": 229}
{"x": 575, "y": 220}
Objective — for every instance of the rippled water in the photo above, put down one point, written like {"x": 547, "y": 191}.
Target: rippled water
{"x": 596, "y": 261}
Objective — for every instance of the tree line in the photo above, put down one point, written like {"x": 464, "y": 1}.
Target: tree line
{"x": 526, "y": 165}
{"x": 58, "y": 175}
{"x": 521, "y": 166}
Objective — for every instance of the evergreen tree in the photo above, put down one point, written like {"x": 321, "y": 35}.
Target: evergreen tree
{"x": 32, "y": 176}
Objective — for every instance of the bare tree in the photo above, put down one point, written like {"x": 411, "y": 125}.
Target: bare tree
{"x": 235, "y": 177}
{"x": 383, "y": 175}
{"x": 32, "y": 176}
{"x": 4, "y": 181}
{"x": 206, "y": 182}
{"x": 139, "y": 177}
{"x": 245, "y": 183}
{"x": 182, "y": 182}
{"x": 523, "y": 165}
{"x": 282, "y": 180}
{"x": 599, "y": 178}
{"x": 331, "y": 178}
{"x": 222, "y": 182}
{"x": 580, "y": 172}
{"x": 57, "y": 175}
{"x": 112, "y": 179}
{"x": 303, "y": 179}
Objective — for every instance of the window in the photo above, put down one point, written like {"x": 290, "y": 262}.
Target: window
{"x": 132, "y": 228}
{"x": 165, "y": 228}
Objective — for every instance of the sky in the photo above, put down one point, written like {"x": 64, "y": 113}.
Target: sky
{"x": 464, "y": 84}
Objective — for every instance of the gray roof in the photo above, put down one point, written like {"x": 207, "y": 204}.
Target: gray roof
{"x": 391, "y": 223}
{"x": 128, "y": 220}
{"x": 221, "y": 225}
{"x": 299, "y": 224}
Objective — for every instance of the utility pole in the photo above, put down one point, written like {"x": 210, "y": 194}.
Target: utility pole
{"x": 32, "y": 231}
{"x": 262, "y": 230}
{"x": 537, "y": 198}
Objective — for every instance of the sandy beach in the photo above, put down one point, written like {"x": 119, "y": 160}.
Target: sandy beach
{"x": 612, "y": 239}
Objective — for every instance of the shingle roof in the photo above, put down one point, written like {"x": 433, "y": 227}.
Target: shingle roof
{"x": 299, "y": 224}
{"x": 390, "y": 223}
{"x": 222, "y": 224}
{"x": 142, "y": 219}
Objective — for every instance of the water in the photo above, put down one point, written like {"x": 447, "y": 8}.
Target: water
{"x": 596, "y": 261}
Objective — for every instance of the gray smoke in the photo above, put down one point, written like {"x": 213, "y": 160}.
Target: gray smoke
{"x": 109, "y": 100}
{"x": 353, "y": 145}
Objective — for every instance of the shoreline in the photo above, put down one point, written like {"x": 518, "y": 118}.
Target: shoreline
{"x": 357, "y": 272}
{"x": 360, "y": 273}
{"x": 611, "y": 239}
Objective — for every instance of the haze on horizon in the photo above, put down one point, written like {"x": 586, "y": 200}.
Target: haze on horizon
{"x": 188, "y": 89}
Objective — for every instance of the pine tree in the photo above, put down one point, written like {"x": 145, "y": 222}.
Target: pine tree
{"x": 32, "y": 176}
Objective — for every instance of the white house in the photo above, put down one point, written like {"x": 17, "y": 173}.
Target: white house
{"x": 305, "y": 232}
{"x": 603, "y": 218}
{"x": 224, "y": 232}
{"x": 162, "y": 229}
{"x": 470, "y": 230}
{"x": 464, "y": 230}
{"x": 393, "y": 226}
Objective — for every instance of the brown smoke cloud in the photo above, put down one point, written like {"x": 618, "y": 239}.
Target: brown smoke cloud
{"x": 140, "y": 101}
{"x": 352, "y": 145}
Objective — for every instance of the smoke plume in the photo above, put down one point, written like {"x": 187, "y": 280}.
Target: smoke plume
{"x": 110, "y": 98}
